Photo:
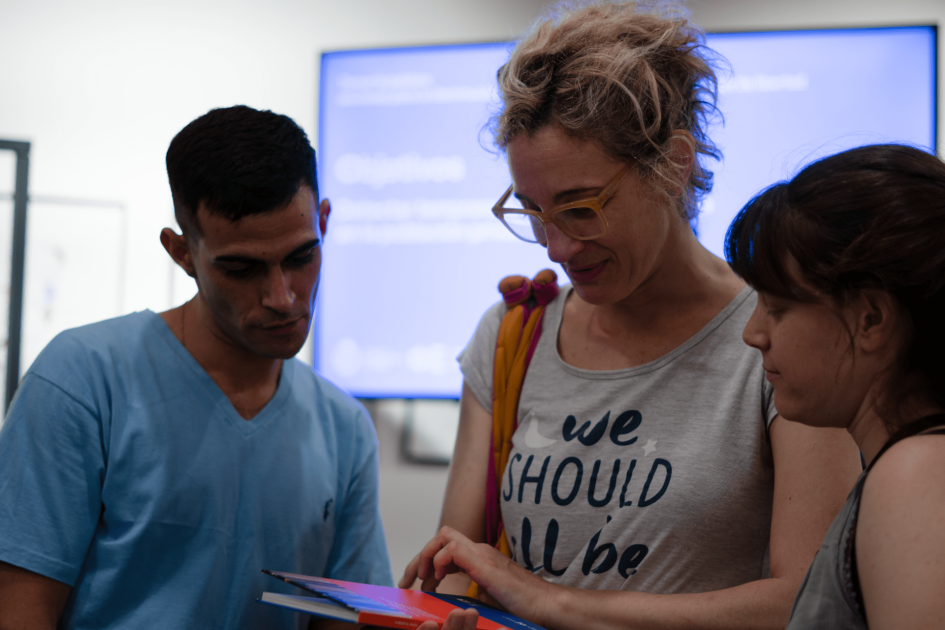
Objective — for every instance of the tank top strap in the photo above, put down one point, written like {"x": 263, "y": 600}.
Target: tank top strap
{"x": 927, "y": 425}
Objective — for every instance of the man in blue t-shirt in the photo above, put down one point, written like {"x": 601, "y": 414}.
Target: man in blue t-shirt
{"x": 152, "y": 465}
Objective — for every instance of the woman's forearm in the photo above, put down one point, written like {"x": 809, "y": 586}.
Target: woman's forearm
{"x": 755, "y": 605}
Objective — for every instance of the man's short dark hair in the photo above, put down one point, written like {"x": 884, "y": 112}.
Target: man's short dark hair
{"x": 238, "y": 161}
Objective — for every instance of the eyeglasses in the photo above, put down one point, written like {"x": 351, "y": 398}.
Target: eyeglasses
{"x": 581, "y": 220}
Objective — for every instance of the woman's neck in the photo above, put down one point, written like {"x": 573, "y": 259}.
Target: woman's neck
{"x": 690, "y": 282}
{"x": 659, "y": 316}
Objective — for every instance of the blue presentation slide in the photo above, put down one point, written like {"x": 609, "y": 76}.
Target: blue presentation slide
{"x": 413, "y": 254}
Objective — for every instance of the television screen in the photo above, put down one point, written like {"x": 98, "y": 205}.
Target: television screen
{"x": 413, "y": 254}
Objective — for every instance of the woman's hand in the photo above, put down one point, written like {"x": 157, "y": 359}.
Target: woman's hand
{"x": 410, "y": 573}
{"x": 458, "y": 619}
{"x": 512, "y": 587}
{"x": 455, "y": 584}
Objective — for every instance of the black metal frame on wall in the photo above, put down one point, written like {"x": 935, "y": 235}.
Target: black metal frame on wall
{"x": 18, "y": 249}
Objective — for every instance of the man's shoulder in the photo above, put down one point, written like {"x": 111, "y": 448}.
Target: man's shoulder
{"x": 329, "y": 403}
{"x": 108, "y": 331}
{"x": 105, "y": 340}
{"x": 308, "y": 383}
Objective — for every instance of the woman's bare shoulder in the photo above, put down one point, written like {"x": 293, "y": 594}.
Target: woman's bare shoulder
{"x": 900, "y": 541}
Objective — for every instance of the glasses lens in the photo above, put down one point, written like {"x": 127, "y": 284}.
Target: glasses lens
{"x": 581, "y": 222}
{"x": 524, "y": 226}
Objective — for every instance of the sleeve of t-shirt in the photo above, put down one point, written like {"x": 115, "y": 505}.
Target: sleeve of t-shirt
{"x": 359, "y": 551}
{"x": 52, "y": 464}
{"x": 477, "y": 359}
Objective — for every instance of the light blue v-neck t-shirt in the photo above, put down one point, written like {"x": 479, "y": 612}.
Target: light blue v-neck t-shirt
{"x": 126, "y": 473}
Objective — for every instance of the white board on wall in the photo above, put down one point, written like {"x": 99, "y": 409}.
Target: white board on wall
{"x": 7, "y": 186}
{"x": 74, "y": 273}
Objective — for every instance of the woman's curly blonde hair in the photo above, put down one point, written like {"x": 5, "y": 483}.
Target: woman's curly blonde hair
{"x": 628, "y": 76}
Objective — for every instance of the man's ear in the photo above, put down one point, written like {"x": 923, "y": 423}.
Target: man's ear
{"x": 178, "y": 249}
{"x": 324, "y": 209}
{"x": 682, "y": 155}
{"x": 878, "y": 320}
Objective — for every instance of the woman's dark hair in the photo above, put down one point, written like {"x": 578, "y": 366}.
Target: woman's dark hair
{"x": 238, "y": 161}
{"x": 867, "y": 218}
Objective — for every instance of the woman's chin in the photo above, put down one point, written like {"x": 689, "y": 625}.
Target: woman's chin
{"x": 799, "y": 413}
{"x": 593, "y": 294}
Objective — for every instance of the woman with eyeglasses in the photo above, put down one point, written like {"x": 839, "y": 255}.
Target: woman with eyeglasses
{"x": 848, "y": 259}
{"x": 651, "y": 483}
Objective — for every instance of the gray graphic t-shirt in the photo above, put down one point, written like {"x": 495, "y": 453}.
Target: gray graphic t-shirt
{"x": 657, "y": 478}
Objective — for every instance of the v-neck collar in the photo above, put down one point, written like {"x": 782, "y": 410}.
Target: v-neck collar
{"x": 229, "y": 412}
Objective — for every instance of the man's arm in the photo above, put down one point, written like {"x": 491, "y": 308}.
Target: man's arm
{"x": 51, "y": 464}
{"x": 30, "y": 601}
{"x": 359, "y": 549}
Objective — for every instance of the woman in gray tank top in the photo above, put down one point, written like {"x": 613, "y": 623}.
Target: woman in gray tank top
{"x": 848, "y": 259}
{"x": 650, "y": 482}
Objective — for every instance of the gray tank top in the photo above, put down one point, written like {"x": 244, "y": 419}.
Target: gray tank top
{"x": 829, "y": 596}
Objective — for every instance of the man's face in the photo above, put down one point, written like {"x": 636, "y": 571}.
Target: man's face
{"x": 258, "y": 276}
